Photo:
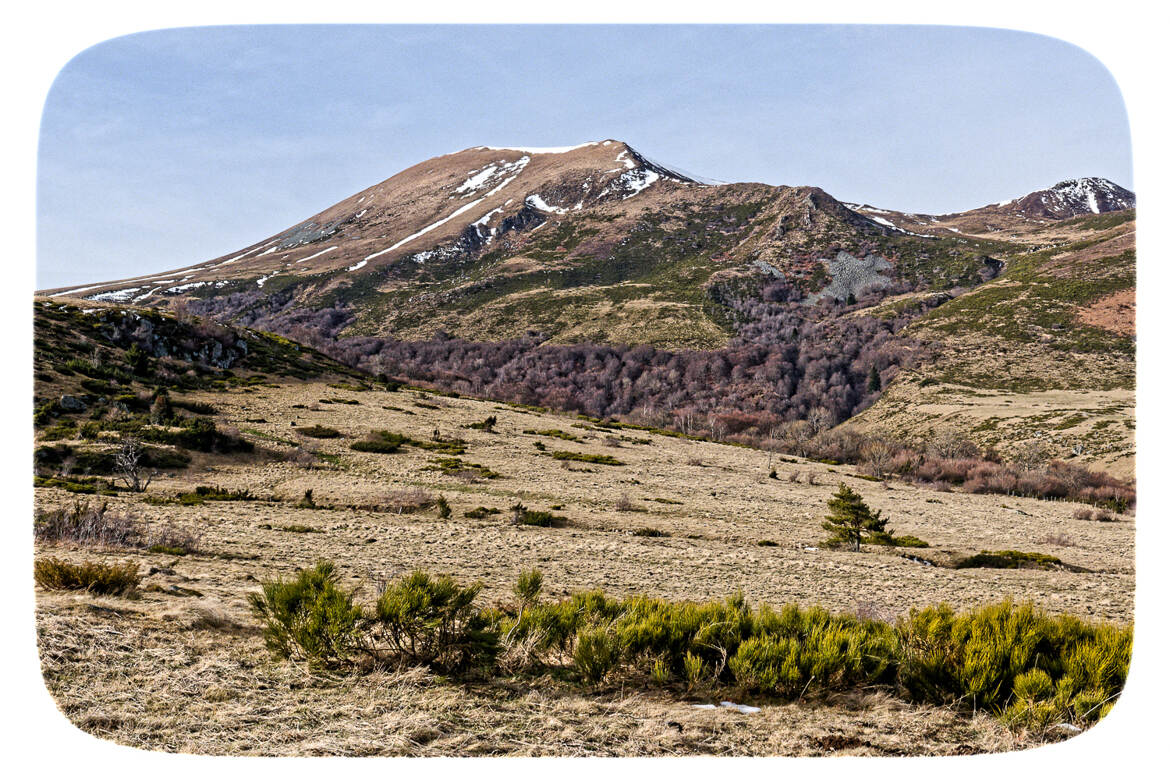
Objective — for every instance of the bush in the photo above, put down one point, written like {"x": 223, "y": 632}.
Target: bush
{"x": 86, "y": 524}
{"x": 319, "y": 432}
{"x": 521, "y": 515}
{"x": 443, "y": 507}
{"x": 605, "y": 460}
{"x": 380, "y": 441}
{"x": 528, "y": 585}
{"x": 1007, "y": 658}
{"x": 432, "y": 621}
{"x": 488, "y": 424}
{"x": 310, "y": 617}
{"x": 595, "y": 654}
{"x": 481, "y": 512}
{"x": 1008, "y": 559}
{"x": 100, "y": 578}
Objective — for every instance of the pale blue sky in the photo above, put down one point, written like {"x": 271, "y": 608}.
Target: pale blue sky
{"x": 168, "y": 148}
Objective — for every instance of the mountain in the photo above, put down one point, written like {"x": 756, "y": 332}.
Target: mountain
{"x": 1064, "y": 200}
{"x": 532, "y": 275}
{"x": 589, "y": 243}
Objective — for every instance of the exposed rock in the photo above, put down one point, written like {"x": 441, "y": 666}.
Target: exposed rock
{"x": 71, "y": 403}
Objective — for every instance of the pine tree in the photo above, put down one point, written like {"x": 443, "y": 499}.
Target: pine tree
{"x": 875, "y": 380}
{"x": 850, "y": 520}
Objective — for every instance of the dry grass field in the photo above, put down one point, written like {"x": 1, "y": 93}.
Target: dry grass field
{"x": 182, "y": 667}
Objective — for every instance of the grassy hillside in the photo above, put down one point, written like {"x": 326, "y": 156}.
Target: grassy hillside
{"x": 1040, "y": 358}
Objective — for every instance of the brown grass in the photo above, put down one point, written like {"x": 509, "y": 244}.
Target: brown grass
{"x": 179, "y": 671}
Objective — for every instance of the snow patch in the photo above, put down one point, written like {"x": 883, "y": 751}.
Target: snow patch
{"x": 537, "y": 202}
{"x": 359, "y": 264}
{"x": 323, "y": 251}
{"x": 632, "y": 182}
{"x": 184, "y": 287}
{"x": 422, "y": 232}
{"x": 487, "y": 217}
{"x": 478, "y": 179}
{"x": 119, "y": 296}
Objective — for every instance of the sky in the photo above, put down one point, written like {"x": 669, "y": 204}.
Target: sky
{"x": 168, "y": 148}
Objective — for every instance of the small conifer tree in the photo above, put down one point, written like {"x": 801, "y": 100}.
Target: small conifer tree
{"x": 875, "y": 380}
{"x": 850, "y": 520}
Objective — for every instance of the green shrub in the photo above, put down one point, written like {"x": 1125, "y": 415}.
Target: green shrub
{"x": 649, "y": 532}
{"x": 458, "y": 468}
{"x": 90, "y": 485}
{"x": 993, "y": 658}
{"x": 297, "y": 528}
{"x": 99, "y": 578}
{"x": 909, "y": 541}
{"x": 432, "y": 621}
{"x": 310, "y": 617}
{"x": 488, "y": 424}
{"x": 1027, "y": 667}
{"x": 528, "y": 585}
{"x": 380, "y": 441}
{"x": 319, "y": 432}
{"x": 1008, "y": 559}
{"x": 595, "y": 654}
{"x": 443, "y": 507}
{"x": 766, "y": 543}
{"x": 584, "y": 457}
{"x": 524, "y": 516}
{"x": 554, "y": 433}
{"x": 480, "y": 512}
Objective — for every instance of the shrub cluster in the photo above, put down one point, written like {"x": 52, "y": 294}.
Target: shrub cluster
{"x": 95, "y": 525}
{"x": 1014, "y": 660}
{"x": 100, "y": 578}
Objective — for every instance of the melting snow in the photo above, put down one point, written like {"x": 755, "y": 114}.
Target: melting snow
{"x": 310, "y": 257}
{"x": 245, "y": 254}
{"x": 493, "y": 171}
{"x": 487, "y": 217}
{"x": 425, "y": 230}
{"x": 359, "y": 264}
{"x": 260, "y": 282}
{"x": 185, "y": 287}
{"x": 116, "y": 295}
{"x": 630, "y": 164}
{"x": 632, "y": 182}
{"x": 477, "y": 181}
{"x": 885, "y": 222}
{"x": 537, "y": 202}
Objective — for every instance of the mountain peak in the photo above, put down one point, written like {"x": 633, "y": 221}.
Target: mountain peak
{"x": 1073, "y": 198}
